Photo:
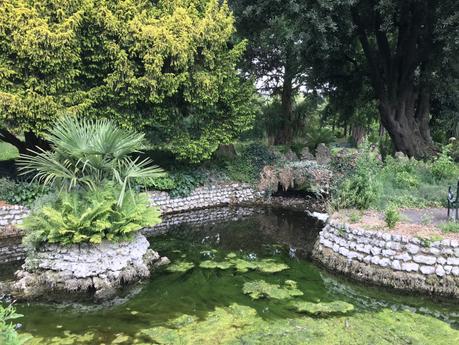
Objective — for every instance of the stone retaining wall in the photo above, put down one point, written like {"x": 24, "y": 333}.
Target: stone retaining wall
{"x": 10, "y": 239}
{"x": 204, "y": 197}
{"x": 201, "y": 198}
{"x": 202, "y": 216}
{"x": 100, "y": 269}
{"x": 392, "y": 260}
{"x": 11, "y": 215}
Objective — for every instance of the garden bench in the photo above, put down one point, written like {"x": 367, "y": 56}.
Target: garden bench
{"x": 453, "y": 202}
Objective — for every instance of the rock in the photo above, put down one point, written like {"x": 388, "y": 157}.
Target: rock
{"x": 323, "y": 155}
{"x": 453, "y": 261}
{"x": 427, "y": 270}
{"x": 424, "y": 259}
{"x": 396, "y": 265}
{"x": 400, "y": 155}
{"x": 306, "y": 155}
{"x": 412, "y": 248}
{"x": 440, "y": 271}
{"x": 410, "y": 266}
{"x": 291, "y": 156}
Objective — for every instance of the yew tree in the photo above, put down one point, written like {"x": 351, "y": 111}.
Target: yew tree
{"x": 167, "y": 67}
{"x": 403, "y": 50}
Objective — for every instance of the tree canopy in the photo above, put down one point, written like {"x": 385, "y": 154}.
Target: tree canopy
{"x": 166, "y": 67}
{"x": 401, "y": 54}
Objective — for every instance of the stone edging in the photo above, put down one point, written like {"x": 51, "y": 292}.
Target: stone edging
{"x": 391, "y": 260}
{"x": 100, "y": 269}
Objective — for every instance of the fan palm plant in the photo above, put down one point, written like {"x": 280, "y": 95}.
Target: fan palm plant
{"x": 87, "y": 154}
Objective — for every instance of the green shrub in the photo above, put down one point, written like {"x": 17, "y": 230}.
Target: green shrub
{"x": 391, "y": 216}
{"x": 21, "y": 192}
{"x": 404, "y": 179}
{"x": 163, "y": 183}
{"x": 8, "y": 334}
{"x": 246, "y": 167}
{"x": 443, "y": 166}
{"x": 186, "y": 182}
{"x": 86, "y": 154}
{"x": 83, "y": 216}
{"x": 316, "y": 136}
{"x": 449, "y": 226}
{"x": 361, "y": 188}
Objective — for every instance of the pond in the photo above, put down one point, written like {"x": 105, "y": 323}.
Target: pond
{"x": 247, "y": 280}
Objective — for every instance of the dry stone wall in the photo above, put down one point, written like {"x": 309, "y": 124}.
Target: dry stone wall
{"x": 393, "y": 260}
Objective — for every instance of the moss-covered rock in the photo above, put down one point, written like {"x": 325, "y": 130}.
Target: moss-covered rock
{"x": 261, "y": 289}
{"x": 323, "y": 308}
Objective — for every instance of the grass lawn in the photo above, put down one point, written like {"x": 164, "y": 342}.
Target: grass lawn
{"x": 7, "y": 151}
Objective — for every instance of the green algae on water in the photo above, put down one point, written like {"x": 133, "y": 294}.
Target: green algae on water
{"x": 322, "y": 308}
{"x": 223, "y": 265}
{"x": 243, "y": 266}
{"x": 180, "y": 266}
{"x": 261, "y": 289}
{"x": 237, "y": 324}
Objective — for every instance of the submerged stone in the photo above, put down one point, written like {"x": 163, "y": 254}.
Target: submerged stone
{"x": 180, "y": 266}
{"x": 261, "y": 289}
{"x": 323, "y": 308}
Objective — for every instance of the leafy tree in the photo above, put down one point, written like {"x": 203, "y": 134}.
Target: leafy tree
{"x": 356, "y": 51}
{"x": 282, "y": 35}
{"x": 166, "y": 67}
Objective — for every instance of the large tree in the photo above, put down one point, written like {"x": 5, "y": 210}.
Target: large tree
{"x": 396, "y": 52}
{"x": 399, "y": 49}
{"x": 168, "y": 67}
{"x": 283, "y": 36}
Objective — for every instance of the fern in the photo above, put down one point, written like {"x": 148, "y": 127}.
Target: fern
{"x": 89, "y": 216}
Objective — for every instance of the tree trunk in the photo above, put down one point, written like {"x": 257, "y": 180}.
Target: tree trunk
{"x": 408, "y": 128}
{"x": 285, "y": 132}
{"x": 401, "y": 73}
{"x": 31, "y": 142}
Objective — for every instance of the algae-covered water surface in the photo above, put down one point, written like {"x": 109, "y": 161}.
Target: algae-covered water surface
{"x": 245, "y": 281}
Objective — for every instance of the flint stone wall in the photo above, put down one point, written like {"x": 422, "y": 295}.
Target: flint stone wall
{"x": 392, "y": 260}
{"x": 10, "y": 237}
{"x": 12, "y": 215}
{"x": 201, "y": 198}
{"x": 204, "y": 197}
{"x": 101, "y": 268}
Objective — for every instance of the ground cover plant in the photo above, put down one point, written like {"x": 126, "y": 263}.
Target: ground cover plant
{"x": 395, "y": 182}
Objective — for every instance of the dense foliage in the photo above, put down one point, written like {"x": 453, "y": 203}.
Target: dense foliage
{"x": 86, "y": 154}
{"x": 88, "y": 216}
{"x": 8, "y": 334}
{"x": 92, "y": 166}
{"x": 166, "y": 67}
{"x": 21, "y": 192}
{"x": 396, "y": 182}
